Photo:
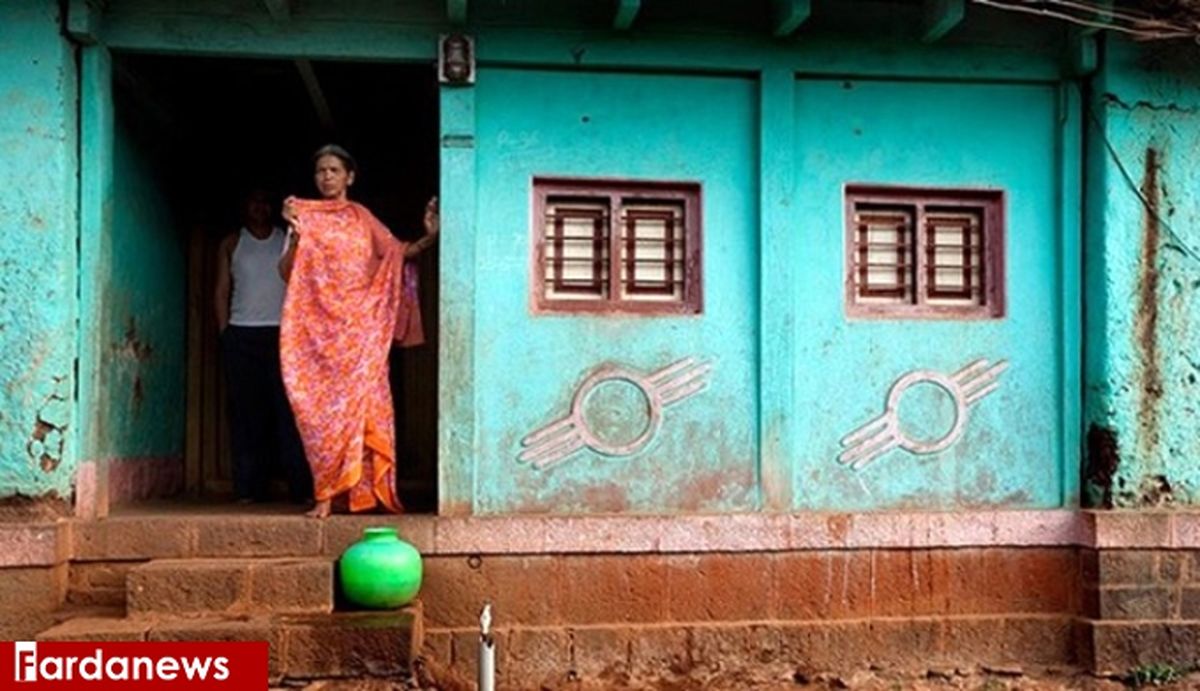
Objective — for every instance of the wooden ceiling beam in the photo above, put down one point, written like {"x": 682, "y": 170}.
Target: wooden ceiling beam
{"x": 316, "y": 95}
{"x": 940, "y": 17}
{"x": 281, "y": 10}
{"x": 83, "y": 20}
{"x": 627, "y": 11}
{"x": 788, "y": 15}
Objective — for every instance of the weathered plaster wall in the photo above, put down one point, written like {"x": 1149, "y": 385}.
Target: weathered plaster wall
{"x": 37, "y": 250}
{"x": 927, "y": 134}
{"x": 627, "y": 97}
{"x": 139, "y": 407}
{"x": 527, "y": 367}
{"x": 1143, "y": 277}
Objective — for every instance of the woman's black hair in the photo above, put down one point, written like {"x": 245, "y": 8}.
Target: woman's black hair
{"x": 341, "y": 154}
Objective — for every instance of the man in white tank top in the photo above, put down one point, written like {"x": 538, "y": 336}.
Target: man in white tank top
{"x": 249, "y": 300}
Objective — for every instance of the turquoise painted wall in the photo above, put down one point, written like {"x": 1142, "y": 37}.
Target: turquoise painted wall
{"x": 928, "y": 134}
{"x": 37, "y": 251}
{"x": 642, "y": 126}
{"x": 139, "y": 332}
{"x": 771, "y": 154}
{"x": 1143, "y": 277}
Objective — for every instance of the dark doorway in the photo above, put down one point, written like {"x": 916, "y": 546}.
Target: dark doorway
{"x": 211, "y": 129}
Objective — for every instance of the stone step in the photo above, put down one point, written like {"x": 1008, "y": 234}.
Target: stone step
{"x": 97, "y": 629}
{"x": 352, "y": 644}
{"x": 172, "y": 535}
{"x": 312, "y": 646}
{"x": 199, "y": 587}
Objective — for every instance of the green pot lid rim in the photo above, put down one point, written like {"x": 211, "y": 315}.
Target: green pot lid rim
{"x": 379, "y": 531}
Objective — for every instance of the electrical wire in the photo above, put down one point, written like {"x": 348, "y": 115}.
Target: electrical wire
{"x": 1178, "y": 242}
{"x": 1146, "y": 28}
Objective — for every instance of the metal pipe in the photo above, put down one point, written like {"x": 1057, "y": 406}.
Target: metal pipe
{"x": 487, "y": 651}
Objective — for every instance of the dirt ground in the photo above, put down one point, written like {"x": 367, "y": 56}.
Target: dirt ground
{"x": 975, "y": 680}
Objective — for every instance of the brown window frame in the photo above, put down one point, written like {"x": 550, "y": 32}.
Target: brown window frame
{"x": 599, "y": 221}
{"x": 989, "y": 203}
{"x": 617, "y": 194}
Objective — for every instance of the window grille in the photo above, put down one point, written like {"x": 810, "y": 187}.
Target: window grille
{"x": 617, "y": 247}
{"x": 653, "y": 248}
{"x": 924, "y": 253}
{"x": 576, "y": 250}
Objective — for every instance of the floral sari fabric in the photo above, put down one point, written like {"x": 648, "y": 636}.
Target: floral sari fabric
{"x": 346, "y": 301}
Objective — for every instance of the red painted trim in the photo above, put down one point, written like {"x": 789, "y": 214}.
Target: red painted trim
{"x": 992, "y": 275}
{"x": 617, "y": 192}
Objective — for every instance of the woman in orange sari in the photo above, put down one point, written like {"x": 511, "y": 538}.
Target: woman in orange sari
{"x": 345, "y": 304}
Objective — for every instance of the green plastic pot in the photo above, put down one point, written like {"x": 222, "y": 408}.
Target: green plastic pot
{"x": 380, "y": 571}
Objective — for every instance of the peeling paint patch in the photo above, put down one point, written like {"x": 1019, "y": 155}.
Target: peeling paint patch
{"x": 131, "y": 346}
{"x": 48, "y": 438}
{"x": 1153, "y": 491}
{"x": 1103, "y": 458}
{"x": 1150, "y": 392}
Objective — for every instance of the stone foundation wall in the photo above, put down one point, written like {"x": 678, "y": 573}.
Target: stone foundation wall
{"x": 1143, "y": 606}
{"x": 627, "y": 597}
{"x": 34, "y": 571}
{"x": 613, "y": 617}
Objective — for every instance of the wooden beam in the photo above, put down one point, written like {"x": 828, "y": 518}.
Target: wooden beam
{"x": 456, "y": 11}
{"x": 788, "y": 15}
{"x": 83, "y": 20}
{"x": 316, "y": 95}
{"x": 627, "y": 11}
{"x": 1083, "y": 53}
{"x": 1103, "y": 7}
{"x": 1083, "y": 50}
{"x": 147, "y": 103}
{"x": 940, "y": 17}
{"x": 281, "y": 10}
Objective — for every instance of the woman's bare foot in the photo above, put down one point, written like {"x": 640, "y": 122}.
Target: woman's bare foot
{"x": 321, "y": 510}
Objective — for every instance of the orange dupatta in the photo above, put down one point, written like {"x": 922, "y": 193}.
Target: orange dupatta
{"x": 339, "y": 319}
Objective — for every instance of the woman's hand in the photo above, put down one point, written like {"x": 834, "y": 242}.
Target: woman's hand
{"x": 433, "y": 225}
{"x": 289, "y": 212}
{"x": 433, "y": 219}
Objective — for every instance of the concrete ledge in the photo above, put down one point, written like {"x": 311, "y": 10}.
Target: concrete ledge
{"x": 179, "y": 535}
{"x": 42, "y": 544}
{"x": 1143, "y": 529}
{"x": 756, "y": 532}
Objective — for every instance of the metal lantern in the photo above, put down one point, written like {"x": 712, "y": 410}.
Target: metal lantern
{"x": 456, "y": 59}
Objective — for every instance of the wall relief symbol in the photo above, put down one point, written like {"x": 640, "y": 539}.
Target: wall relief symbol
{"x": 879, "y": 436}
{"x": 616, "y": 411}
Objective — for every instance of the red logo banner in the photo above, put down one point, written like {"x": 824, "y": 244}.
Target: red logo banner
{"x": 132, "y": 666}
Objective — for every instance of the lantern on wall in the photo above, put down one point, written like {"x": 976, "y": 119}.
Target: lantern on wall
{"x": 456, "y": 59}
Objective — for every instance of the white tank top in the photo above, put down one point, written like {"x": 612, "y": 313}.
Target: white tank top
{"x": 257, "y": 288}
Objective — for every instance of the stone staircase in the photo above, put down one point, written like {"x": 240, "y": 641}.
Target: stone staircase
{"x": 289, "y": 601}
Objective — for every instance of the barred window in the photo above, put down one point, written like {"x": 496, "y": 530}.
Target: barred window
{"x": 617, "y": 247}
{"x": 577, "y": 250}
{"x": 924, "y": 253}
